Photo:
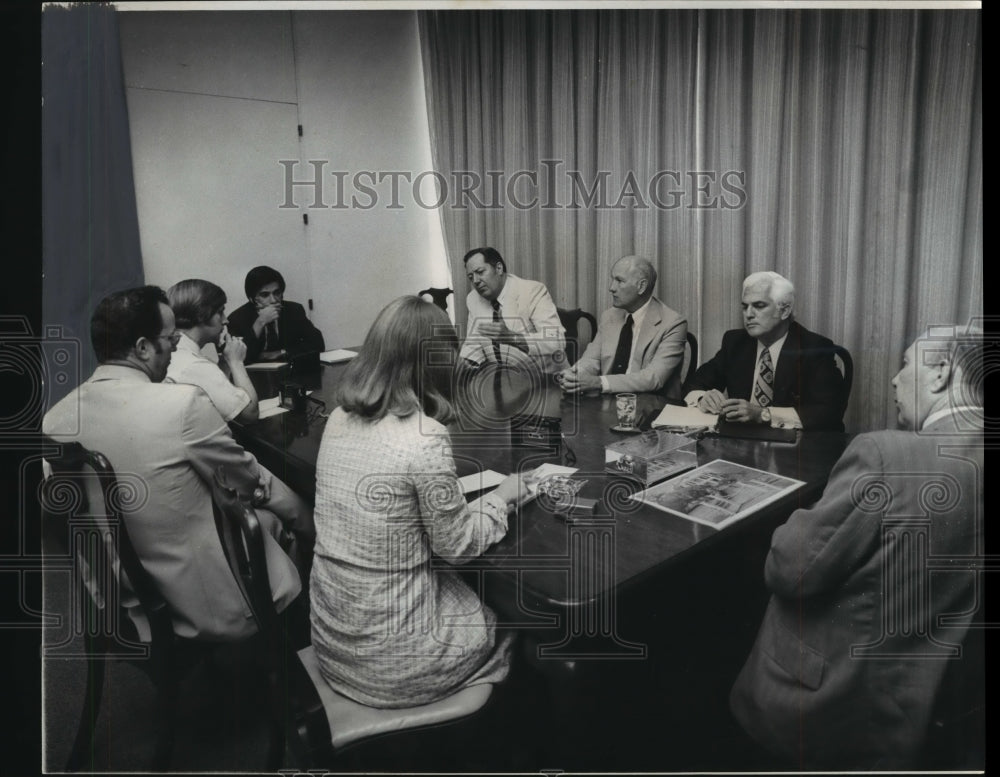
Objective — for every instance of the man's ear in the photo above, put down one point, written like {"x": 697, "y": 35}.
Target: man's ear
{"x": 941, "y": 378}
{"x": 785, "y": 311}
{"x": 143, "y": 347}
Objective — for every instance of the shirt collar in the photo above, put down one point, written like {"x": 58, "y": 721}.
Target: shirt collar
{"x": 639, "y": 316}
{"x": 503, "y": 295}
{"x": 774, "y": 348}
{"x": 937, "y": 415}
{"x": 119, "y": 372}
{"x": 188, "y": 344}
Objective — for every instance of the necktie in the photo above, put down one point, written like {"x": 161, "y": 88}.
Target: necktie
{"x": 763, "y": 390}
{"x": 270, "y": 337}
{"x": 496, "y": 319}
{"x": 624, "y": 350}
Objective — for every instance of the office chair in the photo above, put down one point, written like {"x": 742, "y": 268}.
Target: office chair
{"x": 438, "y": 296}
{"x": 321, "y": 722}
{"x": 326, "y": 727}
{"x": 847, "y": 367}
{"x": 98, "y": 548}
{"x": 577, "y": 341}
{"x": 692, "y": 367}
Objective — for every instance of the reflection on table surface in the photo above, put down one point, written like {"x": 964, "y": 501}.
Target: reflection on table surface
{"x": 551, "y": 559}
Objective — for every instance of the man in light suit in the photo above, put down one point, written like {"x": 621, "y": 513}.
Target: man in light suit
{"x": 511, "y": 320}
{"x": 774, "y": 370}
{"x": 172, "y": 439}
{"x": 639, "y": 344}
{"x": 859, "y": 629}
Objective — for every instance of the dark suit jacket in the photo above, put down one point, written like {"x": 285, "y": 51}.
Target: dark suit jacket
{"x": 296, "y": 333}
{"x": 805, "y": 377}
{"x": 858, "y": 631}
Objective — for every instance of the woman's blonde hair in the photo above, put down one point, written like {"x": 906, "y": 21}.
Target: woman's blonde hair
{"x": 405, "y": 365}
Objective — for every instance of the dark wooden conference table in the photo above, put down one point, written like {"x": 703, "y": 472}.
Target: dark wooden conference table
{"x": 629, "y": 597}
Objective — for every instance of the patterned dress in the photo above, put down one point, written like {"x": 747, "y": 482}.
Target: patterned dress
{"x": 391, "y": 627}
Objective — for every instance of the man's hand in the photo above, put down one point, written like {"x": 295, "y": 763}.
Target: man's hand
{"x": 497, "y": 330}
{"x": 712, "y": 401}
{"x": 573, "y": 382}
{"x": 262, "y": 493}
{"x": 741, "y": 411}
{"x": 268, "y": 313}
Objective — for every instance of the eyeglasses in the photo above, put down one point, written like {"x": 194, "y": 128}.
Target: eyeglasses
{"x": 173, "y": 338}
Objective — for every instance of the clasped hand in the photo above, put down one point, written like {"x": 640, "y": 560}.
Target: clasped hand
{"x": 269, "y": 313}
{"x": 738, "y": 410}
{"x": 572, "y": 382}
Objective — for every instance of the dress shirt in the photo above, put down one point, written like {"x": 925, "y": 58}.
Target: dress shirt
{"x": 187, "y": 365}
{"x": 526, "y": 309}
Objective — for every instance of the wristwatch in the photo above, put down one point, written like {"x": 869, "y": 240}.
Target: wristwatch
{"x": 765, "y": 415}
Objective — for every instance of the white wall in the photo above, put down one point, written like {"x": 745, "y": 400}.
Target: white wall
{"x": 214, "y": 102}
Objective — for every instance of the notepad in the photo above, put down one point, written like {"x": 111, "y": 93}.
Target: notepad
{"x": 337, "y": 355}
{"x": 270, "y": 407}
{"x": 266, "y": 365}
{"x": 480, "y": 481}
{"x": 683, "y": 417}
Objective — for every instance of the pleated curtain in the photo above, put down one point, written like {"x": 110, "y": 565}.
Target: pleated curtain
{"x": 841, "y": 148}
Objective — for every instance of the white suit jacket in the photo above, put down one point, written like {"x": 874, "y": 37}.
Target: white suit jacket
{"x": 169, "y": 439}
{"x": 656, "y": 359}
{"x": 526, "y": 308}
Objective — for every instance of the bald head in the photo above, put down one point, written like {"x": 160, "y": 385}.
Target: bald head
{"x": 942, "y": 369}
{"x": 632, "y": 282}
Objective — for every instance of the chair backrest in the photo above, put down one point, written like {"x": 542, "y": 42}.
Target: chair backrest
{"x": 99, "y": 545}
{"x": 847, "y": 367}
{"x": 242, "y": 539}
{"x": 692, "y": 362}
{"x": 577, "y": 337}
{"x": 438, "y": 296}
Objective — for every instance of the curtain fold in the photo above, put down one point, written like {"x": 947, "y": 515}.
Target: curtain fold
{"x": 90, "y": 228}
{"x": 840, "y": 148}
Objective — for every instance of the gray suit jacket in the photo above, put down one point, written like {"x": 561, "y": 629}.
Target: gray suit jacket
{"x": 168, "y": 440}
{"x": 859, "y": 630}
{"x": 658, "y": 355}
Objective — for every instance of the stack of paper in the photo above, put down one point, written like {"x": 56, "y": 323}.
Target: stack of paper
{"x": 266, "y": 365}
{"x": 337, "y": 355}
{"x": 685, "y": 418}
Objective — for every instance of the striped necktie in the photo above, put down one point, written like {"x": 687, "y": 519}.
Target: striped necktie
{"x": 763, "y": 390}
{"x": 497, "y": 319}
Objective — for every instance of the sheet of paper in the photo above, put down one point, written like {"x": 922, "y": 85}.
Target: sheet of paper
{"x": 266, "y": 365}
{"x": 337, "y": 355}
{"x": 683, "y": 417}
{"x": 479, "y": 481}
{"x": 270, "y": 407}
